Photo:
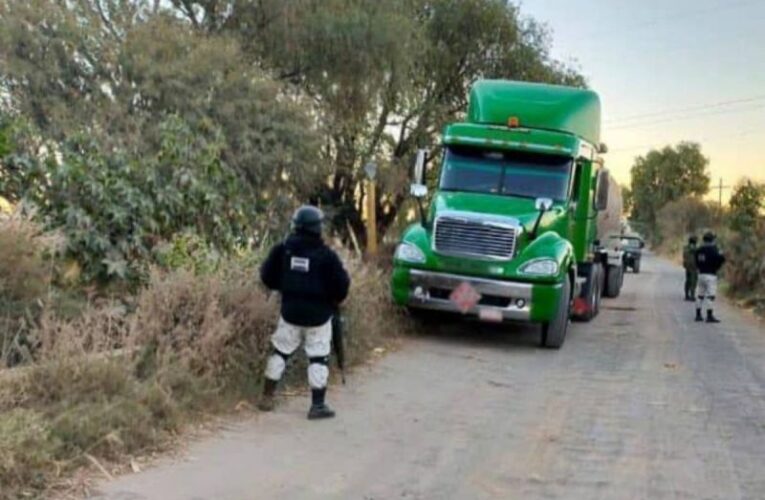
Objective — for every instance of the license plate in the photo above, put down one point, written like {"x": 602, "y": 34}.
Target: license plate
{"x": 489, "y": 315}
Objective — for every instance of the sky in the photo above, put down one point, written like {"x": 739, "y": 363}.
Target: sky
{"x": 668, "y": 71}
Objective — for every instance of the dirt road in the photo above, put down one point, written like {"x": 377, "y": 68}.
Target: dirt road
{"x": 642, "y": 403}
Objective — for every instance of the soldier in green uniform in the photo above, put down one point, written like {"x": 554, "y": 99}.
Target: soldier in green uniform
{"x": 691, "y": 271}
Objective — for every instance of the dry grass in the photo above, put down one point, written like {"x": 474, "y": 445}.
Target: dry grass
{"x": 124, "y": 379}
{"x": 745, "y": 267}
{"x": 24, "y": 284}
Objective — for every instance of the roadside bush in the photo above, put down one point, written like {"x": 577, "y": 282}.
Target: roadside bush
{"x": 115, "y": 207}
{"x": 745, "y": 266}
{"x": 215, "y": 325}
{"x": 369, "y": 313}
{"x": 678, "y": 219}
{"x": 125, "y": 377}
{"x": 28, "y": 450}
{"x": 25, "y": 277}
{"x": 60, "y": 415}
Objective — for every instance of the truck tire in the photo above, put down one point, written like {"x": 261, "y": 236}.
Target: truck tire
{"x": 600, "y": 285}
{"x": 554, "y": 332}
{"x": 636, "y": 266}
{"x": 614, "y": 280}
{"x": 591, "y": 292}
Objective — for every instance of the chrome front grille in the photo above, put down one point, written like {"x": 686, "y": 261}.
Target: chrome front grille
{"x": 461, "y": 236}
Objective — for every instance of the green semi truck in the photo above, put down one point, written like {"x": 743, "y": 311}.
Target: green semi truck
{"x": 511, "y": 231}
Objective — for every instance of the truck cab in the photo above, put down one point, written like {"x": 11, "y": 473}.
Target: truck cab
{"x": 510, "y": 232}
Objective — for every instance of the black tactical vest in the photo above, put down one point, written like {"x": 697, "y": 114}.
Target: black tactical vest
{"x": 301, "y": 273}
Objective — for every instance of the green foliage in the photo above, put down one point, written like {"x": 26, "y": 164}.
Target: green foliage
{"x": 383, "y": 77}
{"x": 114, "y": 209}
{"x": 188, "y": 251}
{"x": 28, "y": 447}
{"x": 5, "y": 139}
{"x": 25, "y": 276}
{"x": 746, "y": 205}
{"x": 120, "y": 85}
{"x": 276, "y": 102}
{"x": 663, "y": 176}
{"x": 745, "y": 268}
{"x": 627, "y": 199}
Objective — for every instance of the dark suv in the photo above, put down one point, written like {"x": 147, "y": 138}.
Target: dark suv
{"x": 633, "y": 249}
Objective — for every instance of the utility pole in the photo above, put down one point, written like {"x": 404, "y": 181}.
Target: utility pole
{"x": 720, "y": 190}
{"x": 371, "y": 170}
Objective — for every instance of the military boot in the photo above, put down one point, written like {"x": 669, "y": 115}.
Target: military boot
{"x": 711, "y": 317}
{"x": 319, "y": 409}
{"x": 699, "y": 317}
{"x": 266, "y": 402}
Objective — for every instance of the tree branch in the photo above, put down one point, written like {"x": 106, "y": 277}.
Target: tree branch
{"x": 106, "y": 20}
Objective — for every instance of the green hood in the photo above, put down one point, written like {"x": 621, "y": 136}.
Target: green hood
{"x": 522, "y": 209}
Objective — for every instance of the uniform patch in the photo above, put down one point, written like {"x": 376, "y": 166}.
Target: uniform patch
{"x": 300, "y": 264}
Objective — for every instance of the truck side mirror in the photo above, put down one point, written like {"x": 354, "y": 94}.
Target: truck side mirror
{"x": 543, "y": 204}
{"x": 601, "y": 193}
{"x": 418, "y": 188}
{"x": 602, "y": 148}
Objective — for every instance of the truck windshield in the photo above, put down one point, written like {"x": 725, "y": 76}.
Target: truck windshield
{"x": 509, "y": 173}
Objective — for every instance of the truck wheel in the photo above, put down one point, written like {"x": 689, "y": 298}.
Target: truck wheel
{"x": 636, "y": 266}
{"x": 600, "y": 285}
{"x": 554, "y": 332}
{"x": 614, "y": 279}
{"x": 621, "y": 279}
{"x": 590, "y": 293}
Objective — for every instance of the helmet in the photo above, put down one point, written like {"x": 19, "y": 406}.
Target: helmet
{"x": 693, "y": 240}
{"x": 307, "y": 219}
{"x": 709, "y": 237}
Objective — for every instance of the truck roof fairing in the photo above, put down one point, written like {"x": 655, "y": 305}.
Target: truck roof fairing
{"x": 536, "y": 106}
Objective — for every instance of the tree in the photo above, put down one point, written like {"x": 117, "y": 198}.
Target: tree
{"x": 627, "y": 199}
{"x": 384, "y": 77}
{"x": 115, "y": 71}
{"x": 299, "y": 94}
{"x": 666, "y": 175}
{"x": 746, "y": 205}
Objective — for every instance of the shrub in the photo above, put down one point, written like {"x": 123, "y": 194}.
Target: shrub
{"x": 746, "y": 205}
{"x": 124, "y": 377}
{"x": 370, "y": 315}
{"x": 25, "y": 276}
{"x": 216, "y": 325}
{"x": 745, "y": 266}
{"x": 114, "y": 208}
{"x": 681, "y": 218}
{"x": 28, "y": 450}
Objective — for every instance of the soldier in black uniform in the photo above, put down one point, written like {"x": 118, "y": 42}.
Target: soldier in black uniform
{"x": 312, "y": 282}
{"x": 709, "y": 260}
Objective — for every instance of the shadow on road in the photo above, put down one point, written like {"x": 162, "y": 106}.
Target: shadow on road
{"x": 469, "y": 333}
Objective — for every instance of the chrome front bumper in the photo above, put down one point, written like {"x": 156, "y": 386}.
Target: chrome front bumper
{"x": 430, "y": 290}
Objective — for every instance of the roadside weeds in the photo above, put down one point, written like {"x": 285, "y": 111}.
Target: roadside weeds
{"x": 121, "y": 382}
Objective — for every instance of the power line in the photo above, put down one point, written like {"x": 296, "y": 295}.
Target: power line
{"x": 718, "y": 138}
{"x": 687, "y": 117}
{"x": 698, "y": 107}
{"x": 675, "y": 16}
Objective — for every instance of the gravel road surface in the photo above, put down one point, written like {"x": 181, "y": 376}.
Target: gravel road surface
{"x": 640, "y": 403}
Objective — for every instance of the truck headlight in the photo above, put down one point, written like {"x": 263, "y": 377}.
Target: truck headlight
{"x": 407, "y": 252}
{"x": 540, "y": 267}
